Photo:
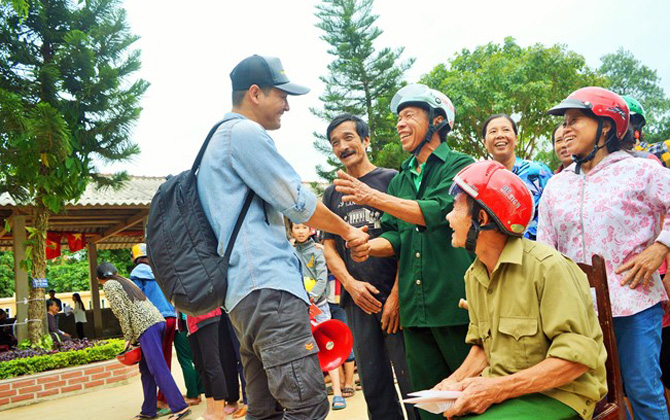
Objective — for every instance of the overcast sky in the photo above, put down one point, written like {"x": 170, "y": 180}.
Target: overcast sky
{"x": 189, "y": 48}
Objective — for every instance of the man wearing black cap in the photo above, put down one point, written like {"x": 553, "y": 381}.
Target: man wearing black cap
{"x": 266, "y": 297}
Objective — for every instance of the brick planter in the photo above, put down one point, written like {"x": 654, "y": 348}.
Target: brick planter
{"x": 44, "y": 386}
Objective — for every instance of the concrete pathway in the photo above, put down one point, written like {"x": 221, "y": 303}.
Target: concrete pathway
{"x": 123, "y": 402}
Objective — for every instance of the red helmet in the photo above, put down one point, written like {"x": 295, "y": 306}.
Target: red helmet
{"x": 602, "y": 102}
{"x": 503, "y": 195}
{"x": 131, "y": 356}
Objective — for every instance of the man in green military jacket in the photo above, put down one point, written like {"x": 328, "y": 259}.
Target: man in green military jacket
{"x": 416, "y": 232}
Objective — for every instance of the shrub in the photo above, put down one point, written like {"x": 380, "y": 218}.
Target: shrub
{"x": 100, "y": 350}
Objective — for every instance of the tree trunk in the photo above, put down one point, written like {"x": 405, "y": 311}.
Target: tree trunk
{"x": 37, "y": 305}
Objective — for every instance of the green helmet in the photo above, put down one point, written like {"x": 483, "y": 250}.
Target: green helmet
{"x": 635, "y": 108}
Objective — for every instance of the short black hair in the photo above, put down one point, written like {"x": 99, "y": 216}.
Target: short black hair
{"x": 361, "y": 126}
{"x": 52, "y": 291}
{"x": 493, "y": 117}
{"x": 238, "y": 95}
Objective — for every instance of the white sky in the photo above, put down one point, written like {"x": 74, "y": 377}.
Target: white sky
{"x": 189, "y": 48}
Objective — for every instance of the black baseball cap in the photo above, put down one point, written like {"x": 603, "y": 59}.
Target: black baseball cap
{"x": 263, "y": 71}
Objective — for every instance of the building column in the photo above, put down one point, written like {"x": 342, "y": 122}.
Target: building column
{"x": 95, "y": 288}
{"x": 21, "y": 278}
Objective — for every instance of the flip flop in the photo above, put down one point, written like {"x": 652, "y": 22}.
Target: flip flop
{"x": 163, "y": 412}
{"x": 338, "y": 403}
{"x": 178, "y": 416}
{"x": 241, "y": 412}
{"x": 143, "y": 417}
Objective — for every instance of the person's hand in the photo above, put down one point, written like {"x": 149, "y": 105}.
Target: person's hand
{"x": 66, "y": 334}
{"x": 448, "y": 384}
{"x": 641, "y": 267}
{"x": 478, "y": 394}
{"x": 361, "y": 292}
{"x": 354, "y": 190}
{"x": 127, "y": 345}
{"x": 391, "y": 314}
{"x": 357, "y": 242}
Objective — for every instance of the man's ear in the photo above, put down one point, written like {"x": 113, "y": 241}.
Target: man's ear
{"x": 253, "y": 94}
{"x": 483, "y": 217}
{"x": 366, "y": 142}
{"x": 438, "y": 119}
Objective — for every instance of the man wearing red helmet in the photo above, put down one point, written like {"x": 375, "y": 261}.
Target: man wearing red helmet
{"x": 611, "y": 204}
{"x": 537, "y": 348}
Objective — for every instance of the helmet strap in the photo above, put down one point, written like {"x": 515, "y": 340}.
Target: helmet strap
{"x": 580, "y": 160}
{"x": 475, "y": 228}
{"x": 432, "y": 129}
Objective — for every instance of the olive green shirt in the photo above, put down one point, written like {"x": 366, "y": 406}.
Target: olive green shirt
{"x": 537, "y": 304}
{"x": 430, "y": 270}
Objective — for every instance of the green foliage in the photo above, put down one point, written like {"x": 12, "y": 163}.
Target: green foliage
{"x": 68, "y": 273}
{"x": 628, "y": 76}
{"x": 360, "y": 80}
{"x": 6, "y": 274}
{"x": 45, "y": 343}
{"x": 27, "y": 366}
{"x": 507, "y": 78}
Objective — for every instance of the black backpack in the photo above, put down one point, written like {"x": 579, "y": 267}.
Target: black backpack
{"x": 182, "y": 246}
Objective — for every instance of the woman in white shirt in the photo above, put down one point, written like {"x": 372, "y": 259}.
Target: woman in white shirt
{"x": 79, "y": 312}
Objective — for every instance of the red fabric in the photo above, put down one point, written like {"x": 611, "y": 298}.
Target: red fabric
{"x": 53, "y": 245}
{"x": 75, "y": 241}
{"x": 168, "y": 339}
{"x": 193, "y": 321}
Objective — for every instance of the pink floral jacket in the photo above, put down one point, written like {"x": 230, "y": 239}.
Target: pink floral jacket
{"x": 615, "y": 211}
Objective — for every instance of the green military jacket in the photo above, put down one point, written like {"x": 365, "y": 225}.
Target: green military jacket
{"x": 536, "y": 305}
{"x": 430, "y": 270}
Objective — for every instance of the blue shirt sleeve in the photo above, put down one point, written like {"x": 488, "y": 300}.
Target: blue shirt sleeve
{"x": 255, "y": 158}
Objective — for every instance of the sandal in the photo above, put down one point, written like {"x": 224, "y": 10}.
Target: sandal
{"x": 348, "y": 392}
{"x": 338, "y": 403}
{"x": 163, "y": 412}
{"x": 144, "y": 417}
{"x": 178, "y": 416}
{"x": 241, "y": 412}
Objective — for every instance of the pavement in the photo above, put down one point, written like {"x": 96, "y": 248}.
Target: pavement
{"x": 123, "y": 402}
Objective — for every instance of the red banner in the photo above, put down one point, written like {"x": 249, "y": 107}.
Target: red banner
{"x": 53, "y": 244}
{"x": 76, "y": 241}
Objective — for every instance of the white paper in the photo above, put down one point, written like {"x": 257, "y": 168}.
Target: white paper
{"x": 433, "y": 401}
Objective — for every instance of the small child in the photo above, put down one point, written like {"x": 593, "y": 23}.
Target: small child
{"x": 315, "y": 276}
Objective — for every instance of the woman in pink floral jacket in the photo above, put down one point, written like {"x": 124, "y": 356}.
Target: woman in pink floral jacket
{"x": 610, "y": 203}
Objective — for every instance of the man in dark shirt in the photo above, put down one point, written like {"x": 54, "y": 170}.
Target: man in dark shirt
{"x": 370, "y": 296}
{"x": 56, "y": 333}
{"x": 53, "y": 298}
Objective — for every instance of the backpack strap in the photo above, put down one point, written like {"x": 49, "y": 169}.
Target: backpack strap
{"x": 238, "y": 225}
{"x": 247, "y": 200}
{"x": 201, "y": 153}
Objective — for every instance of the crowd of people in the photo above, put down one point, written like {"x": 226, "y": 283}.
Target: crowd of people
{"x": 407, "y": 245}
{"x": 506, "y": 234}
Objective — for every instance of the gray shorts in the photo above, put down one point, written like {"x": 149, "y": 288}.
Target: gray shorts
{"x": 279, "y": 355}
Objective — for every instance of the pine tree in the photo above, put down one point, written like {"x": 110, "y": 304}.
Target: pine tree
{"x": 65, "y": 104}
{"x": 361, "y": 80}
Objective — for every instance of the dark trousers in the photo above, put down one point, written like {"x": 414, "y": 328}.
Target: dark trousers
{"x": 229, "y": 349}
{"x": 279, "y": 354}
{"x": 434, "y": 353}
{"x": 154, "y": 372}
{"x": 168, "y": 339}
{"x": 80, "y": 329}
{"x": 191, "y": 376}
{"x": 375, "y": 352}
{"x": 205, "y": 349}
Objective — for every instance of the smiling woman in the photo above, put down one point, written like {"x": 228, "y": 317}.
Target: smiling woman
{"x": 499, "y": 133}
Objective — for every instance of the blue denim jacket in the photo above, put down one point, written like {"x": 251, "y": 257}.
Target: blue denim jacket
{"x": 241, "y": 155}
{"x": 143, "y": 277}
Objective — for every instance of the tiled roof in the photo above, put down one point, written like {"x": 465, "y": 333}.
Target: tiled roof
{"x": 137, "y": 191}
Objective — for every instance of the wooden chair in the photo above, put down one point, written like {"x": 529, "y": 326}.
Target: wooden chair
{"x": 613, "y": 406}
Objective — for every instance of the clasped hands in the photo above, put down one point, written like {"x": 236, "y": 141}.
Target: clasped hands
{"x": 478, "y": 394}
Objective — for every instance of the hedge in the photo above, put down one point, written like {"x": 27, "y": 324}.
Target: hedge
{"x": 27, "y": 366}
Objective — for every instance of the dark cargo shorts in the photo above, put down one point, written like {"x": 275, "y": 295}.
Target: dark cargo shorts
{"x": 279, "y": 355}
